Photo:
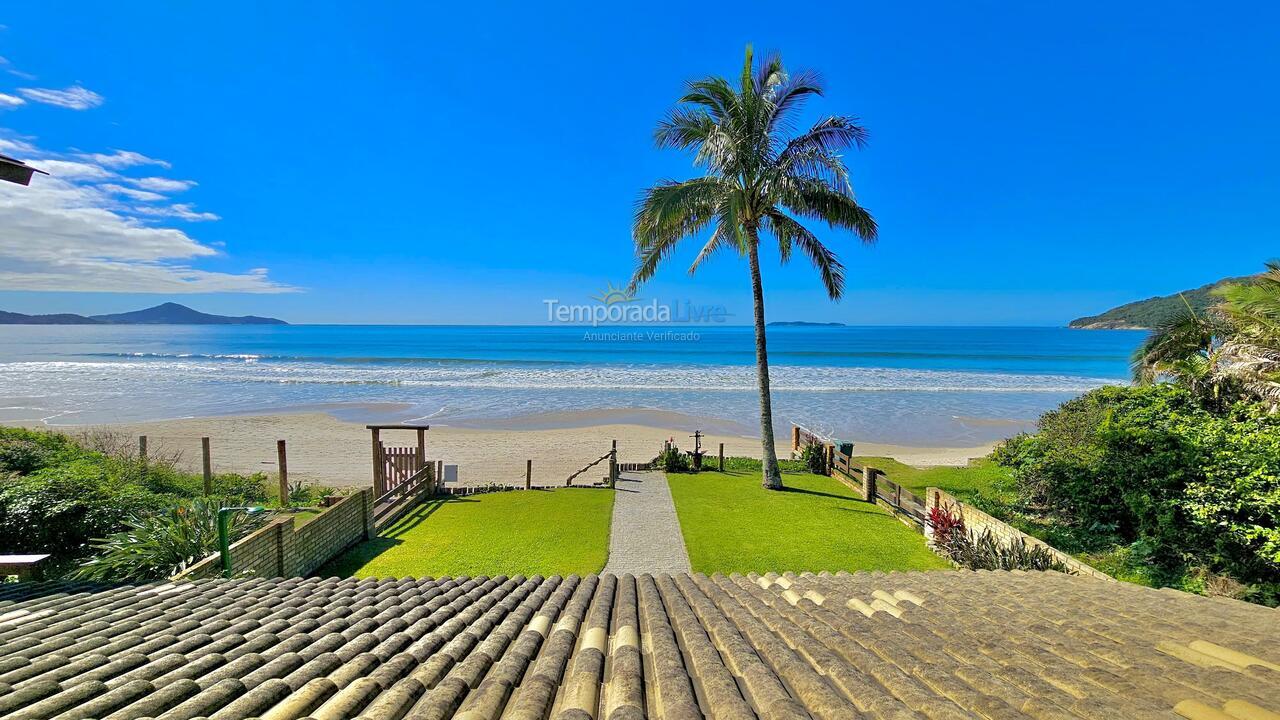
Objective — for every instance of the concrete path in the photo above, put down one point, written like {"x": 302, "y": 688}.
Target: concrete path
{"x": 646, "y": 534}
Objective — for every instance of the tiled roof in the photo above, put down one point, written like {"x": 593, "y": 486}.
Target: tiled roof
{"x": 933, "y": 645}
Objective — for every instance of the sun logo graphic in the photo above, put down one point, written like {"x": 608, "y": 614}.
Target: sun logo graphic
{"x": 613, "y": 295}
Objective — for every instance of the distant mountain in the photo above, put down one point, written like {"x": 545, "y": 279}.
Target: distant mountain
{"x": 166, "y": 314}
{"x": 13, "y": 318}
{"x": 803, "y": 323}
{"x": 1152, "y": 312}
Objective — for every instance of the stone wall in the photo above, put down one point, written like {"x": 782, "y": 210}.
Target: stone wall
{"x": 282, "y": 550}
{"x": 975, "y": 519}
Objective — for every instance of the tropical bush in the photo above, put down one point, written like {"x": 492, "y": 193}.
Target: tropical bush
{"x": 22, "y": 456}
{"x": 1228, "y": 352}
{"x": 58, "y": 492}
{"x": 1194, "y": 487}
{"x": 162, "y": 544}
{"x": 983, "y": 551}
{"x": 672, "y": 460}
{"x": 814, "y": 457}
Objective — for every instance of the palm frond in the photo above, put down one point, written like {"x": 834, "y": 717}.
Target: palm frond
{"x": 714, "y": 94}
{"x": 668, "y": 213}
{"x": 769, "y": 75}
{"x": 788, "y": 96}
{"x": 728, "y": 233}
{"x": 789, "y": 232}
{"x": 812, "y": 198}
{"x": 1186, "y": 336}
{"x": 832, "y": 134}
{"x": 1254, "y": 306}
{"x": 684, "y": 128}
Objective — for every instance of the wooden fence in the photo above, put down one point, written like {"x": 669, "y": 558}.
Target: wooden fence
{"x": 909, "y": 504}
{"x": 871, "y": 482}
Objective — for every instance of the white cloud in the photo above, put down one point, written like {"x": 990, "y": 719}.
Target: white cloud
{"x": 124, "y": 159}
{"x": 165, "y": 185}
{"x": 66, "y": 233}
{"x": 72, "y": 98}
{"x": 10, "y": 101}
{"x": 132, "y": 193}
{"x": 72, "y": 170}
{"x": 180, "y": 211}
{"x": 9, "y": 68}
{"x": 20, "y": 147}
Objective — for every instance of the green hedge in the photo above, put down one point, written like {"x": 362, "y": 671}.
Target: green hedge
{"x": 55, "y": 495}
{"x": 1190, "y": 490}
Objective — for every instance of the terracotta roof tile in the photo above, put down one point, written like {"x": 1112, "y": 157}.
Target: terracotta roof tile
{"x": 942, "y": 645}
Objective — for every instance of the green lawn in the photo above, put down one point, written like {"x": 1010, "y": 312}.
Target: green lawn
{"x": 980, "y": 477}
{"x": 527, "y": 532}
{"x": 731, "y": 524}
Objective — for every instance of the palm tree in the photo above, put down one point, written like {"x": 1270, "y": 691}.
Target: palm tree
{"x": 1186, "y": 349}
{"x": 758, "y": 178}
{"x": 1233, "y": 348}
{"x": 1251, "y": 353}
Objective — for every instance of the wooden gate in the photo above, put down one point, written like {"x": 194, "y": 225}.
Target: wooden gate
{"x": 394, "y": 465}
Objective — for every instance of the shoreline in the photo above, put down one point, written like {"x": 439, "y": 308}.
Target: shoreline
{"x": 328, "y": 450}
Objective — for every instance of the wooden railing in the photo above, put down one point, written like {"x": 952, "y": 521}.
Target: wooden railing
{"x": 391, "y": 505}
{"x": 802, "y": 437}
{"x": 903, "y": 500}
{"x": 611, "y": 456}
{"x": 870, "y": 481}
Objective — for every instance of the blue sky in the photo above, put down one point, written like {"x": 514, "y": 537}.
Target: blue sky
{"x": 1029, "y": 162}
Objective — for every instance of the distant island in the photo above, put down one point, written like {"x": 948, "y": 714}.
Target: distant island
{"x": 1152, "y": 312}
{"x": 166, "y": 314}
{"x": 803, "y": 323}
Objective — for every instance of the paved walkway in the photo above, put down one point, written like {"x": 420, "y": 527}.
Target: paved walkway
{"x": 646, "y": 534}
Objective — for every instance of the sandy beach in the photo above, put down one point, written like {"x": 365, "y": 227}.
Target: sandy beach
{"x": 325, "y": 450}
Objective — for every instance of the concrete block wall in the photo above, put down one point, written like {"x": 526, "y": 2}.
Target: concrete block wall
{"x": 977, "y": 520}
{"x": 282, "y": 550}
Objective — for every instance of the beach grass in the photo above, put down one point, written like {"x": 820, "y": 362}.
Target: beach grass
{"x": 531, "y": 532}
{"x": 732, "y": 524}
{"x": 981, "y": 477}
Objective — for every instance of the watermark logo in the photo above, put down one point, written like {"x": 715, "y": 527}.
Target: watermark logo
{"x": 620, "y": 306}
{"x": 613, "y": 295}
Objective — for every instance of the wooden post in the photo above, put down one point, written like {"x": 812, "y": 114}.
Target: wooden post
{"x": 613, "y": 465}
{"x": 422, "y": 449}
{"x": 208, "y": 466}
{"x": 440, "y": 473}
{"x": 869, "y": 483}
{"x": 377, "y": 464}
{"x": 284, "y": 474}
{"x": 721, "y": 457}
{"x": 142, "y": 448}
{"x": 831, "y": 459}
{"x": 795, "y": 438}
{"x": 528, "y": 474}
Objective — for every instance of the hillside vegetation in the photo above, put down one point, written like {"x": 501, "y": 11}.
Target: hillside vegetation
{"x": 1152, "y": 312}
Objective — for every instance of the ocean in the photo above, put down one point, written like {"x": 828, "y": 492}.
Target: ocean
{"x": 954, "y": 386}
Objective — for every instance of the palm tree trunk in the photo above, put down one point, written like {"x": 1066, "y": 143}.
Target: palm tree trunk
{"x": 772, "y": 477}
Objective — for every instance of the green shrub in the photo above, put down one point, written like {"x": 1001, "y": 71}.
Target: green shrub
{"x": 57, "y": 509}
{"x": 162, "y": 544}
{"x": 814, "y": 458}
{"x": 982, "y": 550}
{"x": 57, "y": 493}
{"x": 22, "y": 456}
{"x": 672, "y": 460}
{"x": 1199, "y": 488}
